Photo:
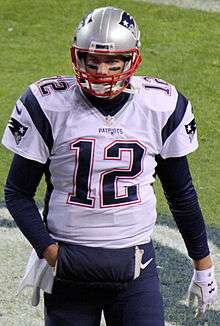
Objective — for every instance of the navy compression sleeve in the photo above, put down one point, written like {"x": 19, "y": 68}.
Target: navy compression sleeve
{"x": 182, "y": 199}
{"x": 23, "y": 179}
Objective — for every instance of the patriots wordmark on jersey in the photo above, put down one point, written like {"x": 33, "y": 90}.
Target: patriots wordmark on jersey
{"x": 102, "y": 167}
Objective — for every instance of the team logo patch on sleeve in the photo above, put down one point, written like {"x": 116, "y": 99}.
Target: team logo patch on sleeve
{"x": 191, "y": 129}
{"x": 17, "y": 129}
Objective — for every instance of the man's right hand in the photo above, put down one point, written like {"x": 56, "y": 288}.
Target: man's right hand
{"x": 51, "y": 254}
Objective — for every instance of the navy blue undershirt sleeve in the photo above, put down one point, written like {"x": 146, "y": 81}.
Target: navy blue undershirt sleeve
{"x": 183, "y": 202}
{"x": 23, "y": 178}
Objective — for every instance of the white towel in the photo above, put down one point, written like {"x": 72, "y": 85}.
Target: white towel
{"x": 39, "y": 275}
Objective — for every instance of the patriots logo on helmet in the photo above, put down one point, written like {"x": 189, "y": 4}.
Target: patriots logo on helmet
{"x": 127, "y": 21}
{"x": 85, "y": 20}
{"x": 17, "y": 129}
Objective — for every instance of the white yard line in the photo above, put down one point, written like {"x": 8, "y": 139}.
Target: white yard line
{"x": 206, "y": 5}
{"x": 4, "y": 213}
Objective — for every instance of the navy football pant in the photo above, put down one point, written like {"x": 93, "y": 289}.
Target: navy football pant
{"x": 138, "y": 304}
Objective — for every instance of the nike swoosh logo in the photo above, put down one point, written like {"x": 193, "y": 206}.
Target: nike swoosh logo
{"x": 143, "y": 266}
{"x": 18, "y": 110}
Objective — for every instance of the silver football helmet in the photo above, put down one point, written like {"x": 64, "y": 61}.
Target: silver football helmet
{"x": 107, "y": 31}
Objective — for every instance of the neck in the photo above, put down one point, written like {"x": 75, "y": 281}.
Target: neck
{"x": 108, "y": 106}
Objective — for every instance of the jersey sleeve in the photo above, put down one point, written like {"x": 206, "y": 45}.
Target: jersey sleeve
{"x": 179, "y": 134}
{"x": 29, "y": 132}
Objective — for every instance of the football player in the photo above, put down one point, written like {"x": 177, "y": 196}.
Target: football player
{"x": 100, "y": 138}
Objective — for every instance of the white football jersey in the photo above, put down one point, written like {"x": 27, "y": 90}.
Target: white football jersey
{"x": 102, "y": 167}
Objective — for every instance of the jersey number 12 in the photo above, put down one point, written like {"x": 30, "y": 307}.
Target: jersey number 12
{"x": 108, "y": 184}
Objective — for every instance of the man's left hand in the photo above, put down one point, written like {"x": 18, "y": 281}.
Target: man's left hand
{"x": 203, "y": 287}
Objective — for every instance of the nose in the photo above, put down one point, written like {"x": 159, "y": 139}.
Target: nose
{"x": 102, "y": 68}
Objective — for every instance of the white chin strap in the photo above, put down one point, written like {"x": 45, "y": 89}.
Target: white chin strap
{"x": 105, "y": 88}
{"x": 102, "y": 88}
{"x": 131, "y": 90}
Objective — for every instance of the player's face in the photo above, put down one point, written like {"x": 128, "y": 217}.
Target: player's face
{"x": 104, "y": 64}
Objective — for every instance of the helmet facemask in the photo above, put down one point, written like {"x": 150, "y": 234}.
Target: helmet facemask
{"x": 103, "y": 85}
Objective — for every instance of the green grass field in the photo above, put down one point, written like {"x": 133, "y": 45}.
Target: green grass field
{"x": 178, "y": 45}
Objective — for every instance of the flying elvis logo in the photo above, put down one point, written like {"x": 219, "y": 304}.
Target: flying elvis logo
{"x": 85, "y": 21}
{"x": 127, "y": 21}
{"x": 17, "y": 129}
{"x": 191, "y": 129}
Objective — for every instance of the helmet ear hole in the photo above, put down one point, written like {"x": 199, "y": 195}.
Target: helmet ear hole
{"x": 119, "y": 36}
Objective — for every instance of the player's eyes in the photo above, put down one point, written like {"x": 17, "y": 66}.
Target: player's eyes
{"x": 113, "y": 62}
{"x": 92, "y": 66}
{"x": 112, "y": 65}
{"x": 116, "y": 68}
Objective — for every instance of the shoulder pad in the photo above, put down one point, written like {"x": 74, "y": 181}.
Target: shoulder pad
{"x": 48, "y": 86}
{"x": 156, "y": 94}
{"x": 54, "y": 93}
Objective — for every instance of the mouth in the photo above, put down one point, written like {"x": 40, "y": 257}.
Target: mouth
{"x": 102, "y": 88}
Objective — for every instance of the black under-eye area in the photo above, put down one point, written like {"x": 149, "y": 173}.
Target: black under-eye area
{"x": 114, "y": 68}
